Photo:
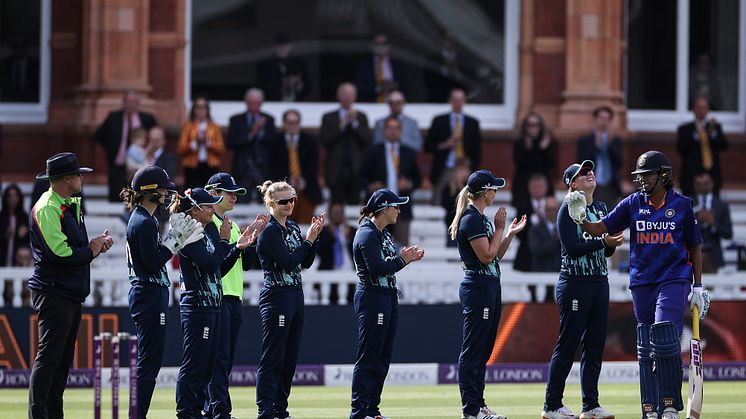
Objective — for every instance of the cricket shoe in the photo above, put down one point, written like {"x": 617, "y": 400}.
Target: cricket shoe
{"x": 487, "y": 411}
{"x": 377, "y": 417}
{"x": 483, "y": 414}
{"x": 651, "y": 415}
{"x": 561, "y": 413}
{"x": 597, "y": 413}
{"x": 670, "y": 413}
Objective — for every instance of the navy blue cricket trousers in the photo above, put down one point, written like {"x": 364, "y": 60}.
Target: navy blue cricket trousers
{"x": 584, "y": 316}
{"x": 481, "y": 301}
{"x": 218, "y": 404}
{"x": 196, "y": 363}
{"x": 148, "y": 305}
{"x": 377, "y": 311}
{"x": 281, "y": 313}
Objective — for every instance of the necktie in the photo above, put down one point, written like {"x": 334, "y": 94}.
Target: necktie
{"x": 395, "y": 159}
{"x": 458, "y": 134}
{"x": 122, "y": 152}
{"x": 293, "y": 159}
{"x": 338, "y": 249}
{"x": 704, "y": 144}
{"x": 379, "y": 80}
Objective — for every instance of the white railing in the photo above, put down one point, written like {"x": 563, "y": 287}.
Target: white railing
{"x": 428, "y": 283}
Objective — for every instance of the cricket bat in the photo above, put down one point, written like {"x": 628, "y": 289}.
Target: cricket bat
{"x": 696, "y": 376}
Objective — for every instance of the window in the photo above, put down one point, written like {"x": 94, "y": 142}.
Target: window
{"x": 24, "y": 60}
{"x": 428, "y": 47}
{"x": 679, "y": 49}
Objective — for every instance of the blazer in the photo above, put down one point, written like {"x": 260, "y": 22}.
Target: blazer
{"x": 546, "y": 249}
{"x": 343, "y": 147}
{"x": 308, "y": 154}
{"x": 215, "y": 146}
{"x": 247, "y": 149}
{"x": 587, "y": 150}
{"x": 410, "y": 132}
{"x": 440, "y": 131}
{"x": 366, "y": 78}
{"x": 374, "y": 170}
{"x": 325, "y": 247}
{"x": 687, "y": 144}
{"x": 712, "y": 234}
{"x": 109, "y": 133}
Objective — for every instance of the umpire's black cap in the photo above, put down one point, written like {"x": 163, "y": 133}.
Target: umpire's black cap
{"x": 652, "y": 161}
{"x": 62, "y": 164}
{"x": 150, "y": 178}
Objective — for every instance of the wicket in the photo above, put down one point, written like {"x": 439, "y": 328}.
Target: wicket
{"x": 98, "y": 360}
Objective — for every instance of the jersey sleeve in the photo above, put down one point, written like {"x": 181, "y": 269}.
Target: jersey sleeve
{"x": 472, "y": 227}
{"x": 570, "y": 236}
{"x": 619, "y": 218}
{"x": 371, "y": 249}
{"x": 692, "y": 234}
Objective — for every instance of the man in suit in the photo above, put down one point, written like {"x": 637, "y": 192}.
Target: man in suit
{"x": 700, "y": 142}
{"x": 335, "y": 241}
{"x": 543, "y": 239}
{"x": 157, "y": 155}
{"x": 378, "y": 74}
{"x": 713, "y": 215}
{"x": 538, "y": 190}
{"x": 452, "y": 136}
{"x": 113, "y": 136}
{"x": 294, "y": 156}
{"x": 410, "y": 134}
{"x": 605, "y": 150}
{"x": 282, "y": 77}
{"x": 345, "y": 136}
{"x": 393, "y": 165}
{"x": 249, "y": 135}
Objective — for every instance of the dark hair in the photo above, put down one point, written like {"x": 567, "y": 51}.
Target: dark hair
{"x": 130, "y": 198}
{"x": 5, "y": 212}
{"x": 603, "y": 108}
{"x": 288, "y": 112}
{"x": 524, "y": 125}
{"x": 207, "y": 105}
{"x": 365, "y": 212}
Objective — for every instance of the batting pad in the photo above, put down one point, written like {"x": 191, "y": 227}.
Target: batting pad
{"x": 648, "y": 384}
{"x": 667, "y": 355}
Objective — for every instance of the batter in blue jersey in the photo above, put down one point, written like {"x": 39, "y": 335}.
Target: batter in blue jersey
{"x": 665, "y": 264}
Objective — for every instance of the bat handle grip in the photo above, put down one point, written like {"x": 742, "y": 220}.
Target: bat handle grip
{"x": 695, "y": 322}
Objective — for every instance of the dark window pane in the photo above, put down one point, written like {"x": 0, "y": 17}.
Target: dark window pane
{"x": 301, "y": 51}
{"x": 19, "y": 50}
{"x": 651, "y": 63}
{"x": 713, "y": 52}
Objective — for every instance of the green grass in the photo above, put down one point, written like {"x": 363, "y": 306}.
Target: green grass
{"x": 723, "y": 400}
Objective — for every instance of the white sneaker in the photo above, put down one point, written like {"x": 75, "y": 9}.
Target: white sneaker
{"x": 597, "y": 413}
{"x": 561, "y": 413}
{"x": 377, "y": 417}
{"x": 651, "y": 415}
{"x": 670, "y": 413}
{"x": 484, "y": 413}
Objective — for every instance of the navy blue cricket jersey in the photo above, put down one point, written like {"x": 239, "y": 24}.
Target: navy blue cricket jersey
{"x": 283, "y": 252}
{"x": 660, "y": 238}
{"x": 146, "y": 256}
{"x": 199, "y": 263}
{"x": 474, "y": 225}
{"x": 583, "y": 256}
{"x": 376, "y": 260}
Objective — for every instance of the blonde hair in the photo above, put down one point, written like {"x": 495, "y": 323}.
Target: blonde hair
{"x": 269, "y": 190}
{"x": 462, "y": 200}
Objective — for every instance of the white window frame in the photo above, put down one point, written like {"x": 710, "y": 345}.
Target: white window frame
{"x": 492, "y": 117}
{"x": 35, "y": 113}
{"x": 669, "y": 120}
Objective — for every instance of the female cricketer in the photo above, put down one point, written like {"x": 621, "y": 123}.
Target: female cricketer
{"x": 583, "y": 298}
{"x": 376, "y": 299}
{"x": 480, "y": 245}
{"x": 282, "y": 253}
{"x": 665, "y": 254}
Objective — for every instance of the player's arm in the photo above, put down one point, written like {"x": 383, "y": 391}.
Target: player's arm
{"x": 594, "y": 228}
{"x": 696, "y": 255}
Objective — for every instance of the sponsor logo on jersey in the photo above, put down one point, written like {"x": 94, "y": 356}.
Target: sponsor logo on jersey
{"x": 644, "y": 211}
{"x": 655, "y": 232}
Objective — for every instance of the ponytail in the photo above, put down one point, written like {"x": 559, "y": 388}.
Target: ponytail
{"x": 461, "y": 202}
{"x": 130, "y": 198}
{"x": 365, "y": 212}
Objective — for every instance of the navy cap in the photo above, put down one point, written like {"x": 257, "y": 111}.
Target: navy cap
{"x": 199, "y": 196}
{"x": 572, "y": 171}
{"x": 62, "y": 164}
{"x": 482, "y": 180}
{"x": 383, "y": 198}
{"x": 151, "y": 178}
{"x": 224, "y": 182}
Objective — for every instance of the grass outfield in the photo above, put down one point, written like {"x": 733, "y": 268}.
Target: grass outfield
{"x": 724, "y": 400}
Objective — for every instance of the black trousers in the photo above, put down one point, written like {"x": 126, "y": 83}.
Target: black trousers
{"x": 59, "y": 319}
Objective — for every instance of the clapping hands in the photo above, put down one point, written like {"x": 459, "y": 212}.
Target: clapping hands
{"x": 317, "y": 223}
{"x": 412, "y": 254}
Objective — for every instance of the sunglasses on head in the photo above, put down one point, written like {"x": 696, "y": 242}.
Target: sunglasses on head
{"x": 287, "y": 201}
{"x": 188, "y": 194}
{"x": 584, "y": 171}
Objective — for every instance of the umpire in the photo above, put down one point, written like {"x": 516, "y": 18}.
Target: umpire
{"x": 61, "y": 279}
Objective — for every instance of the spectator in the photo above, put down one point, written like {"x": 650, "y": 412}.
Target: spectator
{"x": 14, "y": 219}
{"x": 249, "y": 135}
{"x": 136, "y": 151}
{"x": 282, "y": 77}
{"x": 444, "y": 71}
{"x": 713, "y": 215}
{"x": 605, "y": 150}
{"x": 345, "y": 136}
{"x": 24, "y": 258}
{"x": 157, "y": 155}
{"x": 543, "y": 240}
{"x": 452, "y": 137}
{"x": 201, "y": 145}
{"x": 393, "y": 166}
{"x": 294, "y": 155}
{"x": 335, "y": 241}
{"x": 450, "y": 193}
{"x": 410, "y": 136}
{"x": 533, "y": 152}
{"x": 700, "y": 142}
{"x": 378, "y": 74}
{"x": 538, "y": 189}
{"x": 113, "y": 136}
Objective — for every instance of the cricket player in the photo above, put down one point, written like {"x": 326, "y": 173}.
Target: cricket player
{"x": 665, "y": 255}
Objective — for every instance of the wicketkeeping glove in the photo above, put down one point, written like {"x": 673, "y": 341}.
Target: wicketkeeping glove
{"x": 184, "y": 230}
{"x": 701, "y": 298}
{"x": 576, "y": 206}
